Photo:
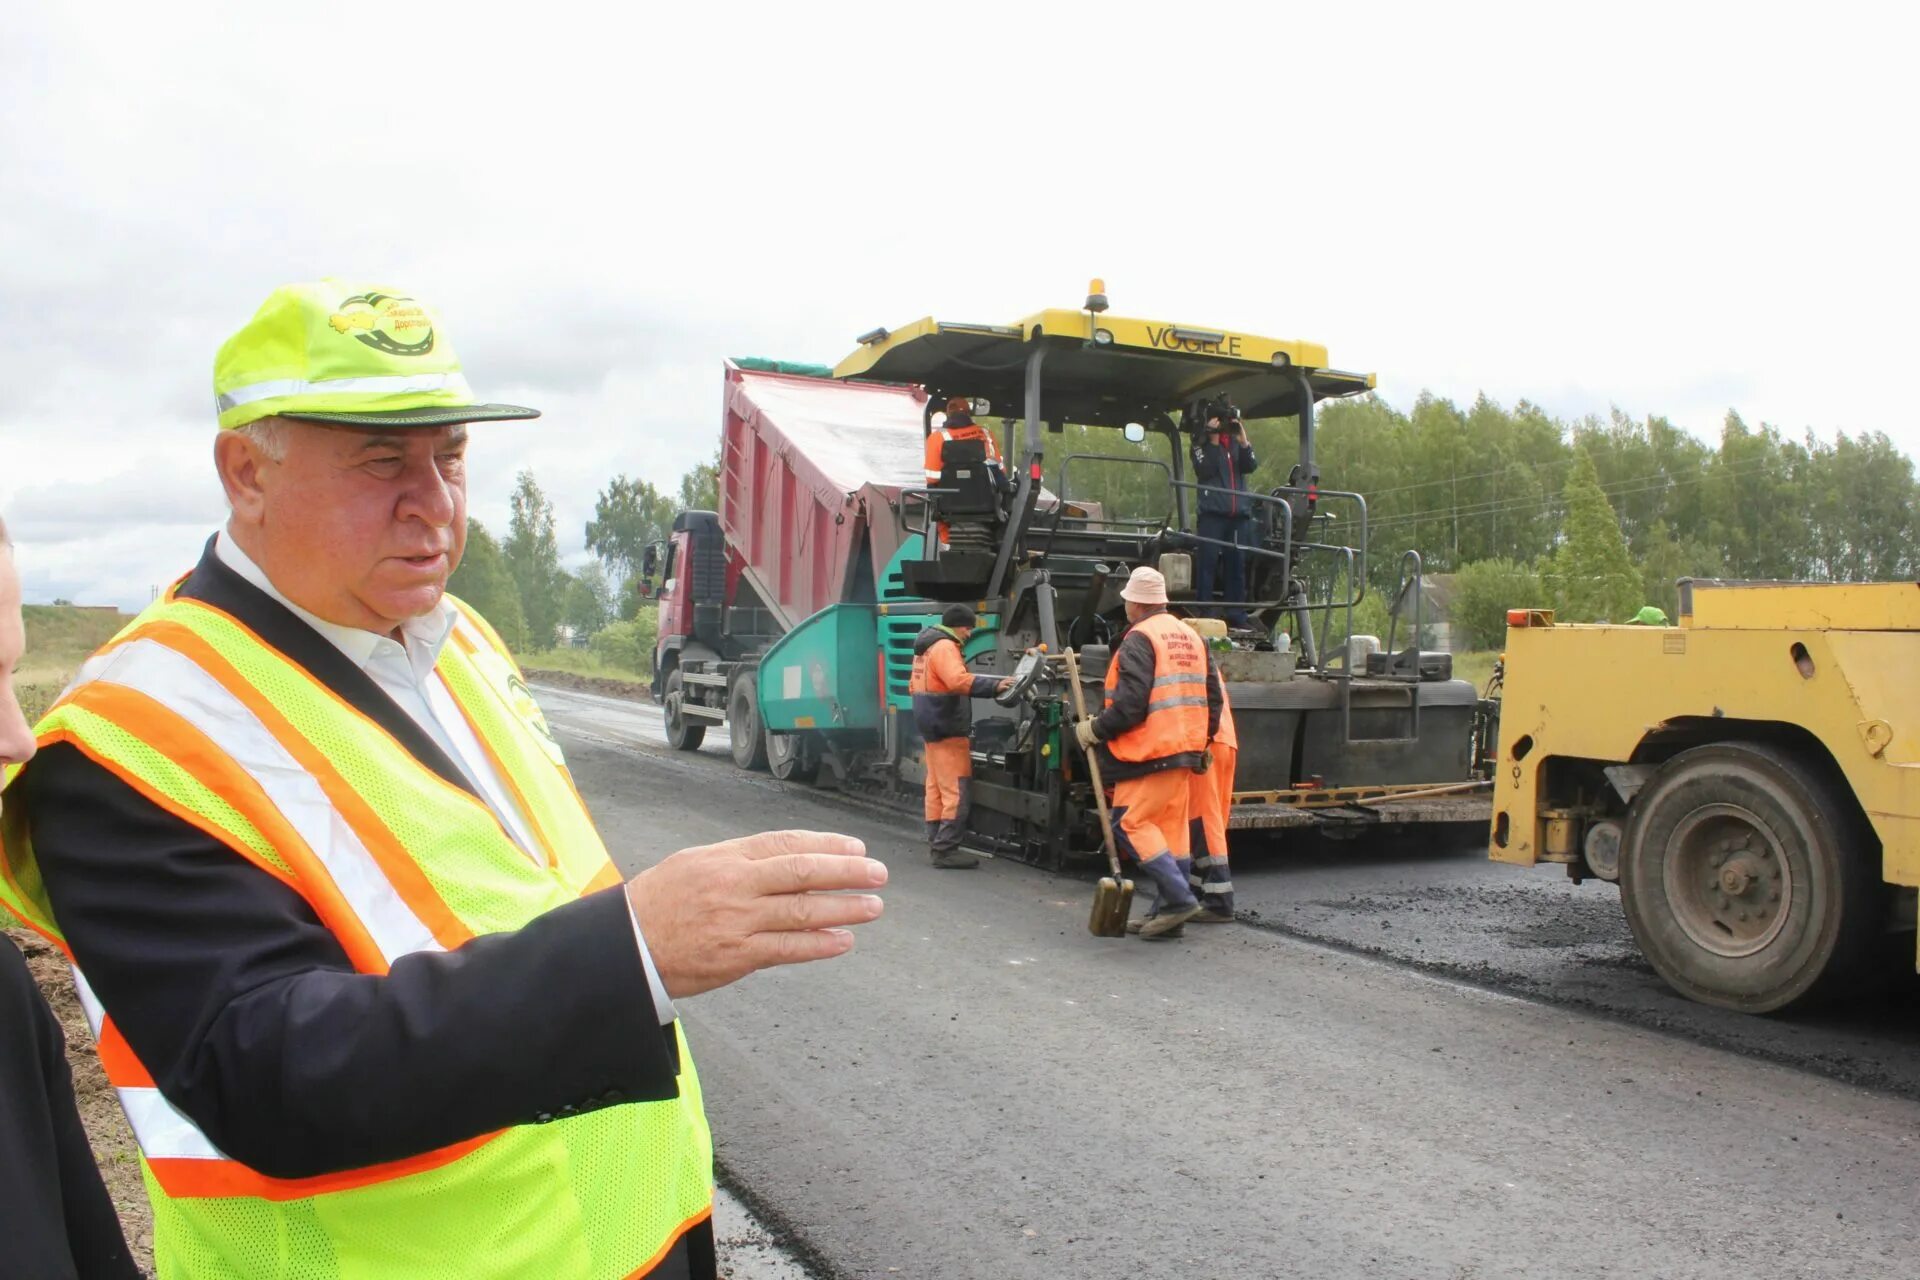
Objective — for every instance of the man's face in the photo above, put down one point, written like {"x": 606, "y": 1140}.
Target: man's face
{"x": 965, "y": 633}
{"x": 16, "y": 739}
{"x": 360, "y": 527}
{"x": 1135, "y": 611}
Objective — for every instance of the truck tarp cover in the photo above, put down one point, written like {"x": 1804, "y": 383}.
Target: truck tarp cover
{"x": 795, "y": 455}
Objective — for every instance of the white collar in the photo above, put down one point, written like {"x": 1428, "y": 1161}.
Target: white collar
{"x": 424, "y": 636}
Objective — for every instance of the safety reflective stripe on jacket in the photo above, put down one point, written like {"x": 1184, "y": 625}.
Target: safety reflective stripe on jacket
{"x": 1176, "y": 719}
{"x": 937, "y": 446}
{"x": 197, "y": 713}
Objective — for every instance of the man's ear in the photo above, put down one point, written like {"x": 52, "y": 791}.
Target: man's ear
{"x": 239, "y": 462}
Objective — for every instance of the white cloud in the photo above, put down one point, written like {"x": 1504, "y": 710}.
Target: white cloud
{"x": 1675, "y": 209}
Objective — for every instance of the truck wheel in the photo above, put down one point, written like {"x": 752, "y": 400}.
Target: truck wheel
{"x": 791, "y": 758}
{"x": 1749, "y": 881}
{"x": 682, "y": 734}
{"x": 743, "y": 722}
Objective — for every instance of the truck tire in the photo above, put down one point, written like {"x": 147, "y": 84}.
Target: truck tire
{"x": 682, "y": 734}
{"x": 743, "y": 722}
{"x": 1749, "y": 880}
{"x": 792, "y": 758}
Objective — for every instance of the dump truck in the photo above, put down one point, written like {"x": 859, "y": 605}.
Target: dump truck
{"x": 810, "y": 480}
{"x": 1749, "y": 777}
{"x": 791, "y": 612}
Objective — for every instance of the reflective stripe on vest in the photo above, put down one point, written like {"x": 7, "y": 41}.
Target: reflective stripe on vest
{"x": 198, "y": 714}
{"x": 1176, "y": 720}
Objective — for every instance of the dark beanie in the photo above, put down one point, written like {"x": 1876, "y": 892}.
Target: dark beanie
{"x": 958, "y": 615}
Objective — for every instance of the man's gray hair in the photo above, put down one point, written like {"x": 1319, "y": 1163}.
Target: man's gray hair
{"x": 269, "y": 436}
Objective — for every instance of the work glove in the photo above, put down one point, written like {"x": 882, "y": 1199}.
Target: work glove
{"x": 1206, "y": 761}
{"x": 1083, "y": 734}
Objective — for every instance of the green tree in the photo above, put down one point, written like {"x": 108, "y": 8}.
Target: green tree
{"x": 589, "y": 601}
{"x": 628, "y": 645}
{"x": 1592, "y": 577}
{"x": 484, "y": 582}
{"x": 700, "y": 487}
{"x": 533, "y": 558}
{"x": 628, "y": 515}
{"x": 1483, "y": 592}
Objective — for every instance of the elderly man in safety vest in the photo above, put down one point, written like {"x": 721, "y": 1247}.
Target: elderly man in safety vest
{"x": 1162, "y": 710}
{"x": 375, "y": 999}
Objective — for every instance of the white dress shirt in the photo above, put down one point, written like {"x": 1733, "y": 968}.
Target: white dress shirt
{"x": 404, "y": 670}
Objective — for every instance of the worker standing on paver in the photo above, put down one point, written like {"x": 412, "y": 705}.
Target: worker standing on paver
{"x": 1162, "y": 709}
{"x": 941, "y": 685}
{"x": 1222, "y": 461}
{"x": 374, "y": 998}
{"x": 1211, "y": 800}
{"x": 962, "y": 429}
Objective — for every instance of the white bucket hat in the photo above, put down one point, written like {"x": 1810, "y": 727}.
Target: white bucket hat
{"x": 1145, "y": 586}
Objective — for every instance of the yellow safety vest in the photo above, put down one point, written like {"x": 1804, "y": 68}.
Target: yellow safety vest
{"x": 196, "y": 712}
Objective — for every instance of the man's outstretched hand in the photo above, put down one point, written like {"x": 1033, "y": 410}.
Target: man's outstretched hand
{"x": 714, "y": 914}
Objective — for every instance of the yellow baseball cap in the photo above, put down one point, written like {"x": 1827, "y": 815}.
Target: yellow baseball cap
{"x": 353, "y": 354}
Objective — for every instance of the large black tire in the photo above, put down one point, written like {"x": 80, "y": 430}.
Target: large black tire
{"x": 743, "y": 722}
{"x": 1749, "y": 879}
{"x": 682, "y": 734}
{"x": 793, "y": 757}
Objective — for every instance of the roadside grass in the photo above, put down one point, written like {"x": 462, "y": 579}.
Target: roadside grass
{"x": 579, "y": 662}
{"x": 59, "y": 638}
{"x": 1475, "y": 666}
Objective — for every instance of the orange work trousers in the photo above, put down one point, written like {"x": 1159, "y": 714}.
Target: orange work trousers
{"x": 1152, "y": 814}
{"x": 949, "y": 761}
{"x": 1211, "y": 796}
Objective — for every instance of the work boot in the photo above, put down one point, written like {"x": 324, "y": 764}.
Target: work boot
{"x": 1212, "y": 915}
{"x": 954, "y": 860}
{"x": 1136, "y": 925}
{"x": 1166, "y": 922}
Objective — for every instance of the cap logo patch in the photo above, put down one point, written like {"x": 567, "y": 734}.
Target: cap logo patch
{"x": 394, "y": 325}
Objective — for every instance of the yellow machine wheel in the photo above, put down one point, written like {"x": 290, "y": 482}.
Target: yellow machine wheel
{"x": 1749, "y": 880}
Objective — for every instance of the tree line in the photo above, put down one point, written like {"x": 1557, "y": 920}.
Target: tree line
{"x": 1594, "y": 517}
{"x": 519, "y": 585}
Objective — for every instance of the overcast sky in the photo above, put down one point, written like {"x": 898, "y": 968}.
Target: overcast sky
{"x": 1670, "y": 208}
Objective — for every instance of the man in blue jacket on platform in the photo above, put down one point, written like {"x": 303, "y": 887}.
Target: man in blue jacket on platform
{"x": 1222, "y": 461}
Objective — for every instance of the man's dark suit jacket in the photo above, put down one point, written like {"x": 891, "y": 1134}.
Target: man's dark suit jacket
{"x": 256, "y": 1026}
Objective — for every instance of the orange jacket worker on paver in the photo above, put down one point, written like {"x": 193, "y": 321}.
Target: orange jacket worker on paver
{"x": 1162, "y": 709}
{"x": 1211, "y": 799}
{"x": 375, "y": 999}
{"x": 56, "y": 1218}
{"x": 960, "y": 426}
{"x": 941, "y": 685}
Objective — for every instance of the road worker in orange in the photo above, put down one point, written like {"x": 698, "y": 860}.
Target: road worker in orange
{"x": 941, "y": 685}
{"x": 960, "y": 427}
{"x": 1162, "y": 709}
{"x": 1210, "y": 801}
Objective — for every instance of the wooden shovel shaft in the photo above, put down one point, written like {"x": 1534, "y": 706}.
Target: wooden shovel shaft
{"x": 1093, "y": 765}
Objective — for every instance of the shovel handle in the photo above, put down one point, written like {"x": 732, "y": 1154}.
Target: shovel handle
{"x": 1093, "y": 764}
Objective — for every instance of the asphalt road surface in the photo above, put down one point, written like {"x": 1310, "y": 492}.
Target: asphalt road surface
{"x": 1406, "y": 1063}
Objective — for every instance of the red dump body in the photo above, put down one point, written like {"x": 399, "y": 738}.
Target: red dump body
{"x": 801, "y": 462}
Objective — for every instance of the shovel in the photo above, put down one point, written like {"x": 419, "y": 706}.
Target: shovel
{"x": 1113, "y": 898}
